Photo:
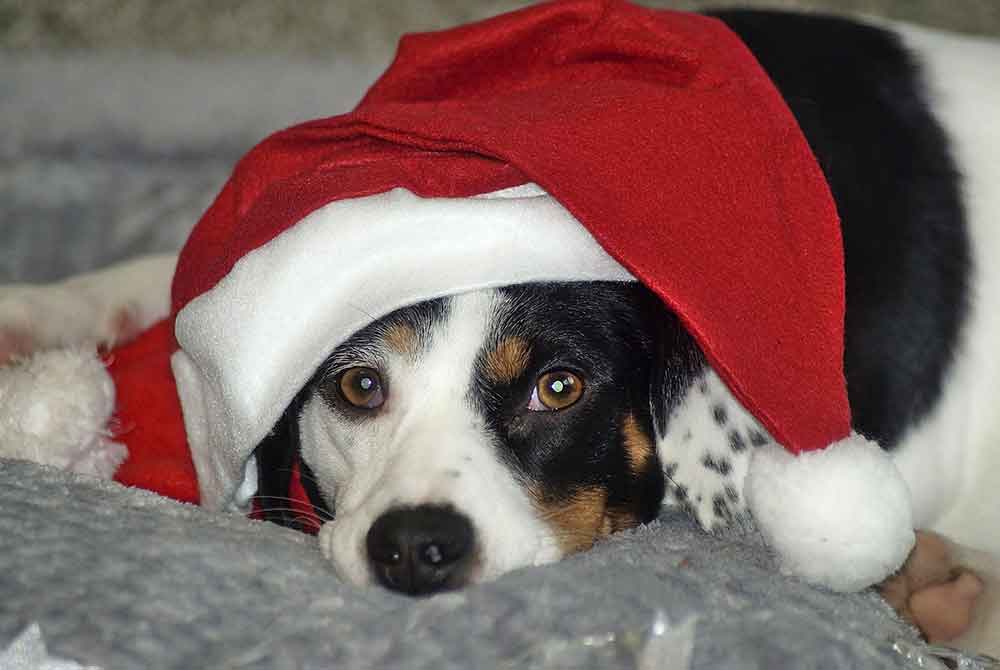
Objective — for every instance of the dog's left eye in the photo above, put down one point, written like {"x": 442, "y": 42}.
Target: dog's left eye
{"x": 555, "y": 390}
{"x": 361, "y": 387}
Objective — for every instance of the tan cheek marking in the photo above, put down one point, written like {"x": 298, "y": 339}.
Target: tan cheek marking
{"x": 578, "y": 521}
{"x": 401, "y": 338}
{"x": 508, "y": 361}
{"x": 638, "y": 446}
{"x": 616, "y": 520}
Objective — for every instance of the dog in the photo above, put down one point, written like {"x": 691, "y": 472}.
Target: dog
{"x": 457, "y": 439}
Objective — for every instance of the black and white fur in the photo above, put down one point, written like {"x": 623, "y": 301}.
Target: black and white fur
{"x": 904, "y": 124}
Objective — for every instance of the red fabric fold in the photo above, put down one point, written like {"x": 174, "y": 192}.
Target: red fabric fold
{"x": 148, "y": 416}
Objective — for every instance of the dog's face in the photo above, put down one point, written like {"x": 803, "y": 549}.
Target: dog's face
{"x": 463, "y": 437}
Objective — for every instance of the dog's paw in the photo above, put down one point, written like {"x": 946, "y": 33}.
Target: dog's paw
{"x": 15, "y": 342}
{"x": 41, "y": 318}
{"x": 18, "y": 336}
{"x": 101, "y": 309}
{"x": 933, "y": 592}
{"x": 944, "y": 612}
{"x": 24, "y": 312}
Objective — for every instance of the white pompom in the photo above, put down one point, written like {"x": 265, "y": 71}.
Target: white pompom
{"x": 840, "y": 517}
{"x": 54, "y": 409}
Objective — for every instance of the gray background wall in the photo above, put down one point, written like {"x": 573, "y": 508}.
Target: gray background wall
{"x": 124, "y": 117}
{"x": 317, "y": 27}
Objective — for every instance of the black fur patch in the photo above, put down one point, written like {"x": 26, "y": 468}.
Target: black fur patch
{"x": 721, "y": 508}
{"x": 720, "y": 415}
{"x": 720, "y": 465}
{"x": 677, "y": 363}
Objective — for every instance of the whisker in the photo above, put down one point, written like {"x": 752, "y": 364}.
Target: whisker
{"x": 263, "y": 497}
{"x": 363, "y": 311}
{"x": 558, "y": 537}
{"x": 282, "y": 509}
{"x": 297, "y": 517}
{"x": 574, "y": 536}
{"x": 671, "y": 480}
{"x": 320, "y": 510}
{"x": 298, "y": 513}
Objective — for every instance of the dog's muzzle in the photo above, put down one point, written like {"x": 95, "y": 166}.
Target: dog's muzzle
{"x": 421, "y": 550}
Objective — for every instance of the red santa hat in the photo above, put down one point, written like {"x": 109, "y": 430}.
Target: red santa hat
{"x": 575, "y": 140}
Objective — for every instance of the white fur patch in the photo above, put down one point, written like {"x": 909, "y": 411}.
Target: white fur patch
{"x": 427, "y": 445}
{"x": 102, "y": 307}
{"x": 951, "y": 461}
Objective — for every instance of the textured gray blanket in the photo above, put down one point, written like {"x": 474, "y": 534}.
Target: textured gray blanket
{"x": 122, "y": 578}
{"x": 102, "y": 157}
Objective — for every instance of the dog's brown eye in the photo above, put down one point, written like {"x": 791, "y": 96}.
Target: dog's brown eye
{"x": 362, "y": 387}
{"x": 555, "y": 390}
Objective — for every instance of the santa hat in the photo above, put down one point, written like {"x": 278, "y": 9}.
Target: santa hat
{"x": 569, "y": 141}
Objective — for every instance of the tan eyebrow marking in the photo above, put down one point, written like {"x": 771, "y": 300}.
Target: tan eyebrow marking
{"x": 508, "y": 361}
{"x": 401, "y": 338}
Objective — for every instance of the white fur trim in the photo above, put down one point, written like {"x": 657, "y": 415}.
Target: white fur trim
{"x": 251, "y": 342}
{"x": 54, "y": 410}
{"x": 840, "y": 517}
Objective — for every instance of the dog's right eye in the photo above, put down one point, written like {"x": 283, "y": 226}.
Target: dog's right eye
{"x": 361, "y": 387}
{"x": 555, "y": 390}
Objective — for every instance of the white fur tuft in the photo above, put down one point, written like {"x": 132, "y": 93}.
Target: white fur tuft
{"x": 840, "y": 517}
{"x": 54, "y": 410}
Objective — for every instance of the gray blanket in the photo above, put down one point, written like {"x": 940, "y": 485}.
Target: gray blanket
{"x": 122, "y": 578}
{"x": 102, "y": 157}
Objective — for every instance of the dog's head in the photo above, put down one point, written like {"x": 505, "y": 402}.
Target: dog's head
{"x": 463, "y": 437}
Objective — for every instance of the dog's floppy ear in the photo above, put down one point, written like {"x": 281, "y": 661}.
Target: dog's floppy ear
{"x": 278, "y": 457}
{"x": 677, "y": 363}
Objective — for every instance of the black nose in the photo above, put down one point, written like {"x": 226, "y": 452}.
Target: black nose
{"x": 421, "y": 550}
